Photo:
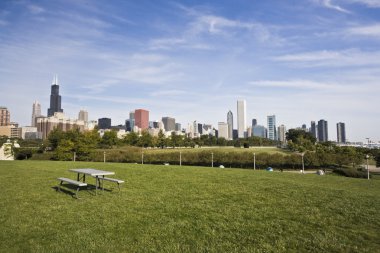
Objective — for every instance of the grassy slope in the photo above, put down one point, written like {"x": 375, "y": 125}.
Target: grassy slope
{"x": 183, "y": 209}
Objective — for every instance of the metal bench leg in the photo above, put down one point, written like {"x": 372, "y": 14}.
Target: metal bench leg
{"x": 59, "y": 186}
{"x": 76, "y": 194}
{"x": 118, "y": 185}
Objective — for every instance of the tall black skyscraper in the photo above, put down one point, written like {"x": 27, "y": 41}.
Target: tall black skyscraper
{"x": 104, "y": 123}
{"x": 322, "y": 131}
{"x": 313, "y": 129}
{"x": 341, "y": 132}
{"x": 55, "y": 98}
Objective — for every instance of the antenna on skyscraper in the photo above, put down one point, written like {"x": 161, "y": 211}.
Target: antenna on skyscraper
{"x": 55, "y": 79}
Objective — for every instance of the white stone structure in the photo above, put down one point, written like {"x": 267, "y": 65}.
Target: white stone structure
{"x": 223, "y": 130}
{"x": 241, "y": 118}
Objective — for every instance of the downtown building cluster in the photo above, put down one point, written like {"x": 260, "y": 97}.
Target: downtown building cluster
{"x": 138, "y": 121}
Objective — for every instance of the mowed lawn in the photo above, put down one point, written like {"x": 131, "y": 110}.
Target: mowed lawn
{"x": 186, "y": 209}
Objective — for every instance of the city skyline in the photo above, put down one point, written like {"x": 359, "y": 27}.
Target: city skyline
{"x": 303, "y": 62}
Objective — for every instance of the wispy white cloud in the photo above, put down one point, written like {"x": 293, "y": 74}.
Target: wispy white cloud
{"x": 326, "y": 58}
{"x": 297, "y": 84}
{"x": 168, "y": 93}
{"x": 368, "y": 3}
{"x": 35, "y": 9}
{"x": 203, "y": 27}
{"x": 368, "y": 30}
{"x": 162, "y": 74}
{"x": 329, "y": 4}
{"x": 177, "y": 43}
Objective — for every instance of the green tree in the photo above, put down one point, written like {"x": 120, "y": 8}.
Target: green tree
{"x": 300, "y": 140}
{"x": 161, "y": 139}
{"x": 176, "y": 140}
{"x": 145, "y": 139}
{"x": 109, "y": 139}
{"x": 54, "y": 138}
{"x": 64, "y": 151}
{"x": 131, "y": 139}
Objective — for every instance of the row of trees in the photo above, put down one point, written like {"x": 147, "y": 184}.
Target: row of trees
{"x": 110, "y": 139}
{"x": 85, "y": 144}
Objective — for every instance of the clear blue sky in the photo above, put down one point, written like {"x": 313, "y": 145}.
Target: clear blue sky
{"x": 301, "y": 60}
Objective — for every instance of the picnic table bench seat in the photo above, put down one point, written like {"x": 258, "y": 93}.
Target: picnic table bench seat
{"x": 71, "y": 181}
{"x": 115, "y": 180}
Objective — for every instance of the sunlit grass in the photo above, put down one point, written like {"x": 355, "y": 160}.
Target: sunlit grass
{"x": 186, "y": 209}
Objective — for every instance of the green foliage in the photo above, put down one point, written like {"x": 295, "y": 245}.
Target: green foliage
{"x": 376, "y": 155}
{"x": 131, "y": 139}
{"x": 351, "y": 173}
{"x": 161, "y": 143}
{"x": 23, "y": 153}
{"x": 55, "y": 136}
{"x": 65, "y": 150}
{"x": 109, "y": 139}
{"x": 145, "y": 140}
{"x": 300, "y": 140}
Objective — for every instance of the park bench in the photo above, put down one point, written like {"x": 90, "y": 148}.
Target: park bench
{"x": 118, "y": 181}
{"x": 70, "y": 181}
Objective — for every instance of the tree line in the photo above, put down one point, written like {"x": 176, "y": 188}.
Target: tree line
{"x": 86, "y": 145}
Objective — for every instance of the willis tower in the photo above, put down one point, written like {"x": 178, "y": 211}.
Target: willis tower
{"x": 55, "y": 98}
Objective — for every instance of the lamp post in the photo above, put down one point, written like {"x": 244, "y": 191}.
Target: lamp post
{"x": 104, "y": 156}
{"x": 303, "y": 165}
{"x": 367, "y": 156}
{"x": 254, "y": 161}
{"x": 74, "y": 156}
{"x": 212, "y": 160}
{"x": 142, "y": 158}
{"x": 180, "y": 158}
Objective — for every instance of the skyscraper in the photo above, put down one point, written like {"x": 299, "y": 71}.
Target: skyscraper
{"x": 55, "y": 98}
{"x": 5, "y": 116}
{"x": 282, "y": 133}
{"x": 223, "y": 130}
{"x": 142, "y": 119}
{"x": 341, "y": 132}
{"x": 272, "y": 135}
{"x": 36, "y": 112}
{"x": 169, "y": 123}
{"x": 259, "y": 131}
{"x": 132, "y": 120}
{"x": 200, "y": 128}
{"x": 83, "y": 115}
{"x": 241, "y": 118}
{"x": 128, "y": 125}
{"x": 322, "y": 131}
{"x": 104, "y": 123}
{"x": 313, "y": 129}
{"x": 254, "y": 122}
{"x": 230, "y": 123}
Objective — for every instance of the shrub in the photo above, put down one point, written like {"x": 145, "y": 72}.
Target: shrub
{"x": 351, "y": 173}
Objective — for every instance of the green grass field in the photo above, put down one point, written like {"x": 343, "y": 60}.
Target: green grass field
{"x": 186, "y": 209}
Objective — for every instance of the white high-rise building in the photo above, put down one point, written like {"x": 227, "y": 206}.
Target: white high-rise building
{"x": 36, "y": 112}
{"x": 272, "y": 131}
{"x": 83, "y": 116}
{"x": 223, "y": 130}
{"x": 282, "y": 134}
{"x": 230, "y": 122}
{"x": 241, "y": 118}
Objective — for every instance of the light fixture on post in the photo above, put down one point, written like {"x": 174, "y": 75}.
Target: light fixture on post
{"x": 367, "y": 157}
